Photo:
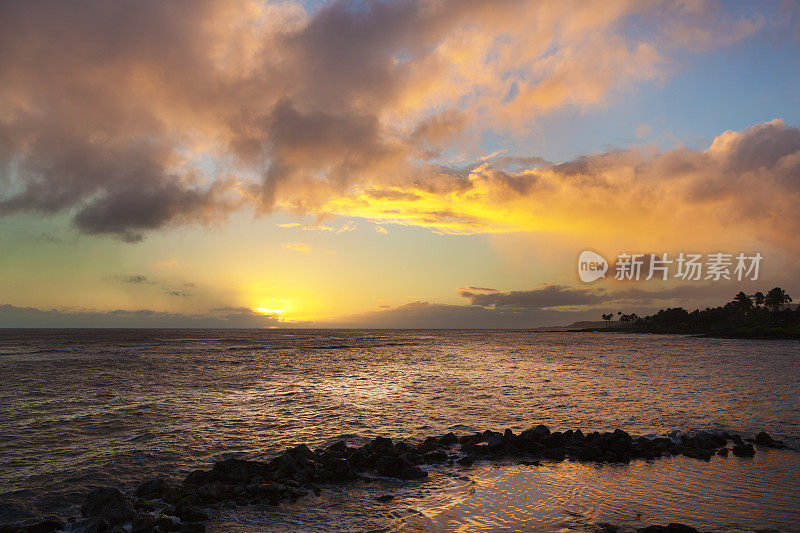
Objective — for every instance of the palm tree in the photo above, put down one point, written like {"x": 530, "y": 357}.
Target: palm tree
{"x": 758, "y": 298}
{"x": 777, "y": 298}
{"x": 607, "y": 318}
{"x": 743, "y": 301}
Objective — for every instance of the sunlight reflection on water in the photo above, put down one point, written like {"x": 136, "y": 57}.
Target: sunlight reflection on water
{"x": 726, "y": 494}
{"x": 109, "y": 414}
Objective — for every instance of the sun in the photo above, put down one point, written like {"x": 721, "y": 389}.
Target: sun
{"x": 268, "y": 311}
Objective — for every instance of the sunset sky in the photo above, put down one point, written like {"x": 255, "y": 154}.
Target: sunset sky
{"x": 398, "y": 163}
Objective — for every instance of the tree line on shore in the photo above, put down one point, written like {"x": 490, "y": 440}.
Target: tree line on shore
{"x": 757, "y": 310}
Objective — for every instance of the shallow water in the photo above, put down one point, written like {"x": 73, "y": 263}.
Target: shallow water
{"x": 85, "y": 408}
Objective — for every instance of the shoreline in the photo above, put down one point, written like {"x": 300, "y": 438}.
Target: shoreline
{"x": 745, "y": 334}
{"x": 159, "y": 504}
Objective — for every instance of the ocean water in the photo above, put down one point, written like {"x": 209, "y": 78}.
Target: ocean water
{"x": 84, "y": 408}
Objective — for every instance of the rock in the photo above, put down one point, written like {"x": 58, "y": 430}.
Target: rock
{"x": 339, "y": 470}
{"x": 481, "y": 449}
{"x": 671, "y": 528}
{"x": 270, "y": 491}
{"x": 398, "y": 467}
{"x": 17, "y": 511}
{"x": 189, "y": 513}
{"x": 143, "y": 523}
{"x": 428, "y": 445}
{"x": 554, "y": 454}
{"x": 390, "y": 466}
{"x": 413, "y": 472}
{"x": 338, "y": 447}
{"x": 238, "y": 470}
{"x": 47, "y": 525}
{"x": 680, "y": 528}
{"x": 380, "y": 446}
{"x": 723, "y": 452}
{"x": 299, "y": 469}
{"x": 448, "y": 440}
{"x": 108, "y": 503}
{"x": 384, "y": 497}
{"x": 653, "y": 529}
{"x": 434, "y": 457}
{"x": 744, "y": 450}
{"x": 493, "y": 438}
{"x": 604, "y": 527}
{"x": 151, "y": 489}
{"x": 620, "y": 434}
{"x": 764, "y": 439}
{"x": 536, "y": 434}
{"x": 554, "y": 440}
{"x": 190, "y": 527}
{"x": 199, "y": 478}
{"x": 698, "y": 453}
{"x": 166, "y": 523}
{"x": 212, "y": 492}
{"x": 96, "y": 524}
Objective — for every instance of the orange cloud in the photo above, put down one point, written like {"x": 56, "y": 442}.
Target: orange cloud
{"x": 106, "y": 108}
{"x": 296, "y": 246}
{"x": 743, "y": 187}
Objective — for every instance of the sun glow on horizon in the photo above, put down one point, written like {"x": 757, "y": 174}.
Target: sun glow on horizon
{"x": 268, "y": 311}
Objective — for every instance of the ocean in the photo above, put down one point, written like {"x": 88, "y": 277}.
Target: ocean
{"x": 87, "y": 408}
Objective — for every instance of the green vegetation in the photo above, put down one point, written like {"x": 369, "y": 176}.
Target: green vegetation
{"x": 746, "y": 316}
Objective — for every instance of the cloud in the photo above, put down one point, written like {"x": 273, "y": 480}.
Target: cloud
{"x": 544, "y": 297}
{"x": 422, "y": 315}
{"x": 178, "y": 294}
{"x": 551, "y": 305}
{"x": 136, "y": 279}
{"x": 230, "y": 317}
{"x": 551, "y": 296}
{"x": 744, "y": 188}
{"x": 108, "y": 109}
{"x": 296, "y": 246}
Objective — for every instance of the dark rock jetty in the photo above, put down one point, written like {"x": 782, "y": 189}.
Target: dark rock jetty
{"x": 163, "y": 505}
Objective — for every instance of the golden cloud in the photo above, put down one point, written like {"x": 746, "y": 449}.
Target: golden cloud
{"x": 108, "y": 108}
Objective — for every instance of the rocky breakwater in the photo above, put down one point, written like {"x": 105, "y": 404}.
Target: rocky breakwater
{"x": 164, "y": 505}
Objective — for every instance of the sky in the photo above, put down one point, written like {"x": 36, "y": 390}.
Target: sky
{"x": 396, "y": 163}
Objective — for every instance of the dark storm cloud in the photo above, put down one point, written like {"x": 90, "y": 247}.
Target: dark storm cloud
{"x": 552, "y": 296}
{"x": 80, "y": 85}
{"x": 544, "y": 297}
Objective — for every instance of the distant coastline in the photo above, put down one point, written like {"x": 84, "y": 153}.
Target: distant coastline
{"x": 769, "y": 316}
{"x": 755, "y": 333}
